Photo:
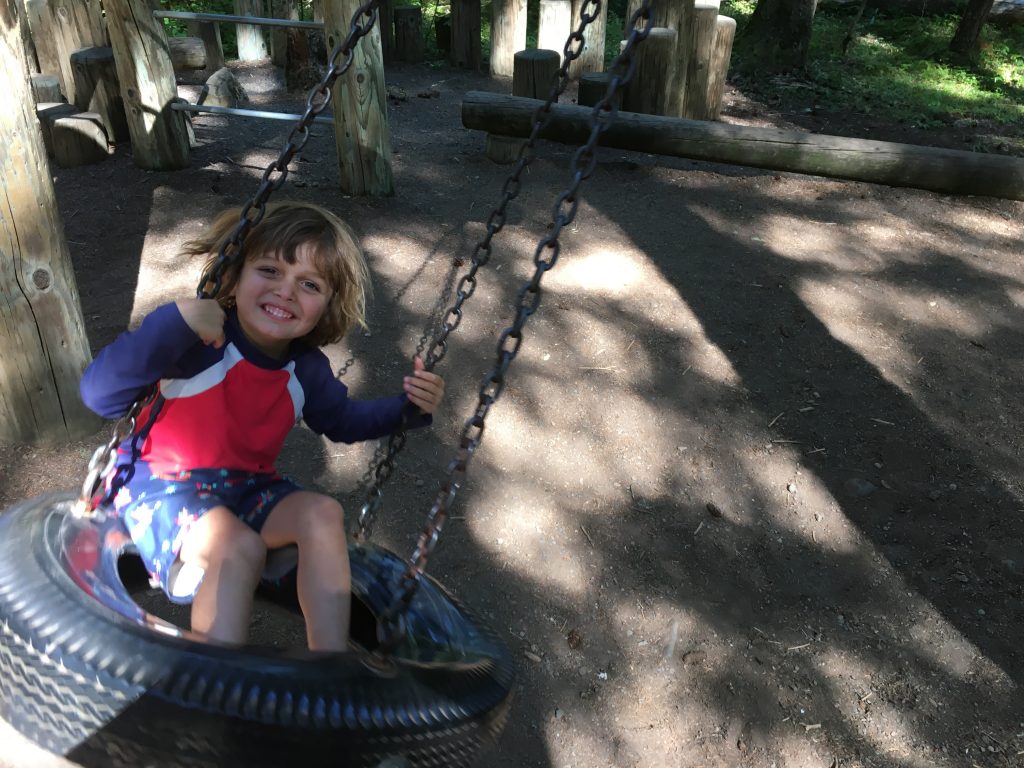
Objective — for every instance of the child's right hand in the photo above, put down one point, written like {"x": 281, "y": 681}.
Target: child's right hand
{"x": 206, "y": 318}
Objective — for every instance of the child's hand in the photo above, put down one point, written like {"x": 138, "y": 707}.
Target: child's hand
{"x": 423, "y": 388}
{"x": 206, "y": 318}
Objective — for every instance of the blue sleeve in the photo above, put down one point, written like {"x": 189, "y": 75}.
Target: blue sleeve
{"x": 329, "y": 410}
{"x": 123, "y": 370}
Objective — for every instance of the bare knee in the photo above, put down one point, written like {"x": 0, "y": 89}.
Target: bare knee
{"x": 220, "y": 536}
{"x": 321, "y": 517}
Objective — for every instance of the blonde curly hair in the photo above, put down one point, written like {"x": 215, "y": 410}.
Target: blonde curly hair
{"x": 285, "y": 227}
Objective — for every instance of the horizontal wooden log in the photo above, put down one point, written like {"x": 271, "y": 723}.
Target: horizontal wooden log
{"x": 949, "y": 171}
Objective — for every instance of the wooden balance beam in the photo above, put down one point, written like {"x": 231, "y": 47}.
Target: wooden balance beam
{"x": 949, "y": 171}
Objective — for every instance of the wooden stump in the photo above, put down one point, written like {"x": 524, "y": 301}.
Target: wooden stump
{"x": 725, "y": 32}
{"x": 97, "y": 90}
{"x": 554, "y": 25}
{"x": 61, "y": 27}
{"x": 79, "y": 139}
{"x": 593, "y": 87}
{"x": 700, "y": 41}
{"x": 647, "y": 91}
{"x": 465, "y": 52}
{"x": 307, "y": 54}
{"x": 592, "y": 57}
{"x": 409, "y": 33}
{"x": 508, "y": 34}
{"x": 46, "y": 89}
{"x": 678, "y": 16}
{"x": 187, "y": 53}
{"x": 360, "y": 109}
{"x": 534, "y": 71}
{"x": 42, "y": 332}
{"x": 148, "y": 87}
{"x": 47, "y": 114}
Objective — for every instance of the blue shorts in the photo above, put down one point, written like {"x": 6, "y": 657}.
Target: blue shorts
{"x": 158, "y": 511}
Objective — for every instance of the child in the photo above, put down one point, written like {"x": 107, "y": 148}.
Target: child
{"x": 202, "y": 500}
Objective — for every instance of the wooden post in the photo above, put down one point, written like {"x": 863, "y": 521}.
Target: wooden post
{"x": 360, "y": 104}
{"x": 251, "y": 45}
{"x": 700, "y": 40}
{"x": 78, "y": 139}
{"x": 42, "y": 332}
{"x": 97, "y": 90}
{"x": 725, "y": 32}
{"x": 592, "y": 58}
{"x": 465, "y": 51}
{"x": 209, "y": 33}
{"x": 61, "y": 27}
{"x": 554, "y": 25}
{"x": 409, "y": 33}
{"x": 46, "y": 88}
{"x": 949, "y": 171}
{"x": 508, "y": 34}
{"x": 148, "y": 88}
{"x": 648, "y": 90}
{"x": 187, "y": 53}
{"x": 386, "y": 25}
{"x": 279, "y": 9}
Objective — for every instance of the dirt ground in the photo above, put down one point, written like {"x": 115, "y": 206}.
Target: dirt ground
{"x": 753, "y": 494}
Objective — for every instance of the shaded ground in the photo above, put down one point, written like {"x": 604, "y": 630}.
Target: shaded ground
{"x": 753, "y": 494}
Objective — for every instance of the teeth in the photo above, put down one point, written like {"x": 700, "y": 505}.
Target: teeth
{"x": 276, "y": 312}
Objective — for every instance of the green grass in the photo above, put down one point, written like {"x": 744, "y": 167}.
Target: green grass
{"x": 899, "y": 66}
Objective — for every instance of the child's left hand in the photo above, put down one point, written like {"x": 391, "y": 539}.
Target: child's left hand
{"x": 424, "y": 389}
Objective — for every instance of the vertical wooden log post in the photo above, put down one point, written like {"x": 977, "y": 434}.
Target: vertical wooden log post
{"x": 209, "y": 33}
{"x": 61, "y": 27}
{"x": 360, "y": 104}
{"x": 592, "y": 58}
{"x": 42, "y": 332}
{"x": 148, "y": 88}
{"x": 279, "y": 9}
{"x": 700, "y": 40}
{"x": 97, "y": 90}
{"x": 409, "y": 43}
{"x": 655, "y": 66}
{"x": 251, "y": 45}
{"x": 534, "y": 70}
{"x": 386, "y": 25}
{"x": 725, "y": 32}
{"x": 554, "y": 25}
{"x": 508, "y": 34}
{"x": 465, "y": 52}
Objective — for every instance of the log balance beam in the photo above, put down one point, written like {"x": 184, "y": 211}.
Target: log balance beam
{"x": 950, "y": 171}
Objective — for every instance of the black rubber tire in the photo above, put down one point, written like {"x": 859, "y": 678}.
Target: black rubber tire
{"x": 105, "y": 689}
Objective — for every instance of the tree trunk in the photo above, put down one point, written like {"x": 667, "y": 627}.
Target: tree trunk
{"x": 592, "y": 58}
{"x": 965, "y": 41}
{"x": 779, "y": 34}
{"x": 409, "y": 42}
{"x": 251, "y": 45}
{"x": 465, "y": 52}
{"x": 42, "y": 332}
{"x": 281, "y": 9}
{"x": 508, "y": 34}
{"x": 360, "y": 108}
{"x": 554, "y": 25}
{"x": 949, "y": 171}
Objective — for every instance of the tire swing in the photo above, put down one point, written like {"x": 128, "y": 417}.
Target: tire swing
{"x": 87, "y": 674}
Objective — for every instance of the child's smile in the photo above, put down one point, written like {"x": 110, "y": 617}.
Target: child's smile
{"x": 279, "y": 302}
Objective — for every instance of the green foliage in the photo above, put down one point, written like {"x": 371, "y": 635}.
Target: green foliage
{"x": 178, "y": 28}
{"x": 899, "y": 65}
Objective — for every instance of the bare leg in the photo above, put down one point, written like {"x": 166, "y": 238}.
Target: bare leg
{"x": 316, "y": 524}
{"x": 232, "y": 554}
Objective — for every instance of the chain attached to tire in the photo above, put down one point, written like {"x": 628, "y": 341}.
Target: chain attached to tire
{"x": 104, "y": 459}
{"x": 582, "y": 166}
{"x": 382, "y": 465}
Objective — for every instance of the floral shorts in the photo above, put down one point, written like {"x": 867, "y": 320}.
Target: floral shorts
{"x": 158, "y": 511}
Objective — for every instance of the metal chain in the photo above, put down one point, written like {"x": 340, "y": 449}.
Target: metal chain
{"x": 382, "y": 465}
{"x": 104, "y": 459}
{"x": 582, "y": 166}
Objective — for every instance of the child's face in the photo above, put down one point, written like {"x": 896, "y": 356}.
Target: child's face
{"x": 278, "y": 302}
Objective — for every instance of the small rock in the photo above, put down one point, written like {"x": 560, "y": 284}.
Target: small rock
{"x": 934, "y": 495}
{"x": 791, "y": 487}
{"x": 859, "y": 488}
{"x": 531, "y": 656}
{"x": 574, "y": 639}
{"x": 713, "y": 509}
{"x": 429, "y": 93}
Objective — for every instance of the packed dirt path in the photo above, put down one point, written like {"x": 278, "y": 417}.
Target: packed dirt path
{"x": 753, "y": 494}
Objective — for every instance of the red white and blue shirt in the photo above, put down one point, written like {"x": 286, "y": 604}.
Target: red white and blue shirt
{"x": 230, "y": 407}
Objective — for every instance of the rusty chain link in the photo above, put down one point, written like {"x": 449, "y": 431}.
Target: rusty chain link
{"x": 382, "y": 465}
{"x": 104, "y": 459}
{"x": 582, "y": 166}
